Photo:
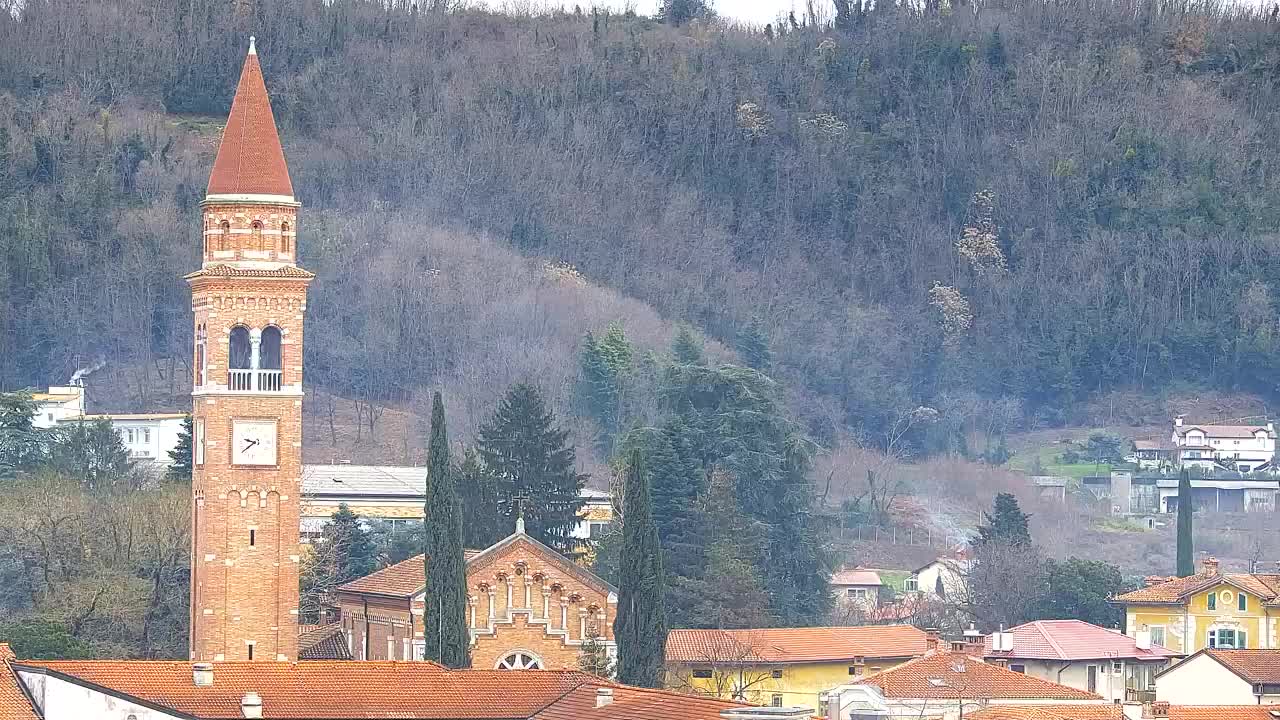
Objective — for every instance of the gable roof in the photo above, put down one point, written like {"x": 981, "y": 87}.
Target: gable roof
{"x": 1073, "y": 640}
{"x": 250, "y": 159}
{"x": 14, "y": 703}
{"x": 409, "y": 577}
{"x": 323, "y": 642}
{"x": 1049, "y": 712}
{"x": 1177, "y": 590}
{"x": 1225, "y": 431}
{"x": 856, "y": 577}
{"x": 795, "y": 645}
{"x": 320, "y": 690}
{"x": 951, "y": 675}
{"x": 1224, "y": 712}
{"x": 1256, "y": 667}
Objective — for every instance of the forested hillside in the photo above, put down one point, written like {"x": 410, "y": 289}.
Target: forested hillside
{"x": 989, "y": 209}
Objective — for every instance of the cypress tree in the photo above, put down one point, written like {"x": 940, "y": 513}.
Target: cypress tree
{"x": 1186, "y": 550}
{"x": 641, "y": 623}
{"x": 445, "y": 620}
{"x": 526, "y": 454}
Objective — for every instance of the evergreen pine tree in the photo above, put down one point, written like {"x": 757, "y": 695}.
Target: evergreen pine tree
{"x": 1006, "y": 523}
{"x": 1186, "y": 549}
{"x": 20, "y": 447}
{"x": 686, "y": 347}
{"x": 796, "y": 564}
{"x": 91, "y": 452}
{"x": 752, "y": 345}
{"x": 607, "y": 366}
{"x": 641, "y": 623}
{"x": 446, "y": 636}
{"x": 181, "y": 454}
{"x": 526, "y": 454}
{"x": 481, "y": 503}
{"x": 353, "y": 551}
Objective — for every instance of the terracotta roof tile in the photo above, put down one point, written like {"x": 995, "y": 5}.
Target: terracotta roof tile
{"x": 634, "y": 704}
{"x": 943, "y": 675}
{"x": 404, "y": 579}
{"x": 284, "y": 271}
{"x": 1224, "y": 712}
{"x": 795, "y": 645}
{"x": 1225, "y": 431}
{"x": 325, "y": 642}
{"x": 1049, "y": 712}
{"x": 1258, "y": 667}
{"x": 1073, "y": 640}
{"x": 14, "y": 704}
{"x": 320, "y": 690}
{"x": 250, "y": 159}
{"x": 1176, "y": 590}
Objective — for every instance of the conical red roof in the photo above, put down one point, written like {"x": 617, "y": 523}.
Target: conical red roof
{"x": 250, "y": 160}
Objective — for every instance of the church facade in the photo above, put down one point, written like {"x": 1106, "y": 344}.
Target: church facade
{"x": 528, "y": 608}
{"x": 248, "y": 299}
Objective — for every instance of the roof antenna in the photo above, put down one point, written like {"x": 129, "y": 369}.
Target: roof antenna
{"x": 252, "y": 50}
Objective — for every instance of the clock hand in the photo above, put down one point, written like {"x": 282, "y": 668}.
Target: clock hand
{"x": 248, "y": 444}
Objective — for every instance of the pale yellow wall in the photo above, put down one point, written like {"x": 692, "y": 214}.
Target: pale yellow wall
{"x": 800, "y": 684}
{"x": 1187, "y": 626}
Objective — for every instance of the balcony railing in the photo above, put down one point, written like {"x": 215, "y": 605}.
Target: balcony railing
{"x": 1142, "y": 696}
{"x": 255, "y": 380}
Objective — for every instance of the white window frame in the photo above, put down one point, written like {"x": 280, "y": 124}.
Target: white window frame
{"x": 1152, "y": 629}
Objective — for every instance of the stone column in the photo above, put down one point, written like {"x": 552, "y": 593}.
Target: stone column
{"x": 509, "y": 588}
{"x": 582, "y": 623}
{"x": 564, "y": 614}
{"x": 471, "y": 607}
{"x": 493, "y": 610}
{"x": 546, "y": 604}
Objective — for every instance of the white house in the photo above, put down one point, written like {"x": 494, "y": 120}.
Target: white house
{"x": 149, "y": 437}
{"x": 61, "y": 402}
{"x": 941, "y": 578}
{"x": 1243, "y": 448}
{"x": 1083, "y": 656}
{"x": 857, "y": 586}
{"x": 1222, "y": 677}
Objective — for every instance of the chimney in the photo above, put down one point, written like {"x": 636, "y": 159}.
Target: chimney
{"x": 932, "y": 637}
{"x": 1143, "y": 640}
{"x": 202, "y": 674}
{"x": 251, "y": 705}
{"x": 1209, "y": 566}
{"x": 1177, "y": 421}
{"x": 973, "y": 642}
{"x": 604, "y": 696}
{"x": 1158, "y": 709}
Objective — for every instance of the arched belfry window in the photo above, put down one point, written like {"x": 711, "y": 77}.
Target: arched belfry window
{"x": 241, "y": 349}
{"x": 285, "y": 241}
{"x": 258, "y": 243}
{"x": 270, "y": 353}
{"x": 224, "y": 239}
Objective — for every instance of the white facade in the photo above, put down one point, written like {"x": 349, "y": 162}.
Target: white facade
{"x": 1244, "y": 448}
{"x": 945, "y": 573}
{"x": 58, "y": 699}
{"x": 1108, "y": 678}
{"x": 1202, "y": 680}
{"x": 851, "y": 702}
{"x": 61, "y": 403}
{"x": 149, "y": 438}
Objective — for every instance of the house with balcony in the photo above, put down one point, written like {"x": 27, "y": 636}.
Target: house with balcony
{"x": 1240, "y": 448}
{"x": 1084, "y": 656}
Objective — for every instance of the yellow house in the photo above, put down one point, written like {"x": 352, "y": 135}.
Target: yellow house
{"x": 785, "y": 666}
{"x": 1207, "y": 610}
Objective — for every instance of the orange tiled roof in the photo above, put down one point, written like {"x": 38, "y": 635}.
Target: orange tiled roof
{"x": 323, "y": 642}
{"x": 1257, "y": 667}
{"x": 14, "y": 704}
{"x": 285, "y": 271}
{"x": 403, "y": 579}
{"x": 1224, "y": 712}
{"x": 631, "y": 703}
{"x": 1072, "y": 640}
{"x": 323, "y": 690}
{"x": 1176, "y": 590}
{"x": 948, "y": 675}
{"x": 250, "y": 159}
{"x": 1049, "y": 712}
{"x": 795, "y": 645}
{"x": 856, "y": 576}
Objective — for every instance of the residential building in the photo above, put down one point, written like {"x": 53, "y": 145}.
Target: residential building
{"x": 1165, "y": 711}
{"x": 1210, "y": 609}
{"x": 394, "y": 493}
{"x": 1151, "y": 454}
{"x": 169, "y": 690}
{"x": 1223, "y": 491}
{"x": 148, "y": 437}
{"x": 945, "y": 685}
{"x": 1223, "y": 677}
{"x": 784, "y": 666}
{"x": 1242, "y": 448}
{"x": 942, "y": 578}
{"x": 1083, "y": 656}
{"x": 859, "y": 586}
{"x": 1049, "y": 712}
{"x": 529, "y": 608}
{"x": 61, "y": 402}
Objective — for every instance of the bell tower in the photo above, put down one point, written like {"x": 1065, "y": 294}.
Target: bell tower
{"x": 248, "y": 299}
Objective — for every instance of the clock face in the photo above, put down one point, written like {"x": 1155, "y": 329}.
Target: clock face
{"x": 253, "y": 442}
